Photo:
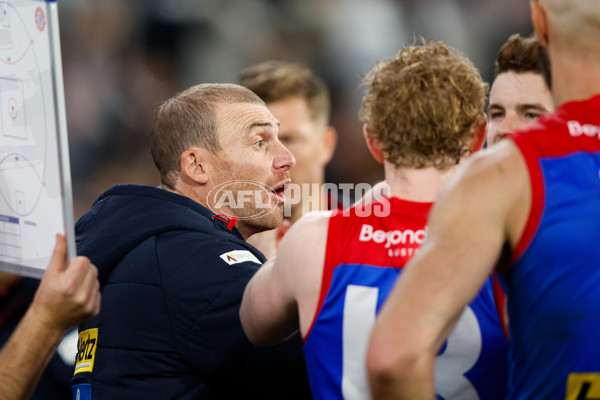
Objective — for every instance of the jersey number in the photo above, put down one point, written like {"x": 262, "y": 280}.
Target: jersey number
{"x": 461, "y": 351}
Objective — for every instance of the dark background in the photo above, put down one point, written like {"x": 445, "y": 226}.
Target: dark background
{"x": 121, "y": 58}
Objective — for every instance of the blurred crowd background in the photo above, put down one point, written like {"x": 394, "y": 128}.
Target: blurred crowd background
{"x": 122, "y": 58}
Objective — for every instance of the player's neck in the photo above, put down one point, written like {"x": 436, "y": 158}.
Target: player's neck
{"x": 416, "y": 184}
{"x": 574, "y": 76}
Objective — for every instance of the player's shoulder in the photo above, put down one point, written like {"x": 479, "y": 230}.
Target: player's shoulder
{"x": 497, "y": 176}
{"x": 316, "y": 216}
{"x": 500, "y": 162}
{"x": 312, "y": 221}
{"x": 309, "y": 232}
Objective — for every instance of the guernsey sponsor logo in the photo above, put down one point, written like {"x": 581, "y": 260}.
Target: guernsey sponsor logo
{"x": 391, "y": 238}
{"x": 577, "y": 129}
{"x": 86, "y": 351}
{"x": 583, "y": 385}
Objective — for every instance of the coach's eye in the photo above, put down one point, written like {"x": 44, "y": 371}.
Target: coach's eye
{"x": 260, "y": 144}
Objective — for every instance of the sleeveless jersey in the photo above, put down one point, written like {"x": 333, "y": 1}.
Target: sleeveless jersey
{"x": 553, "y": 286}
{"x": 366, "y": 251}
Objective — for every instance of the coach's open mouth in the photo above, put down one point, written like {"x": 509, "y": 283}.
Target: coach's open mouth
{"x": 279, "y": 189}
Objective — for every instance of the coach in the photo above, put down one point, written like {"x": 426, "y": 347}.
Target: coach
{"x": 174, "y": 262}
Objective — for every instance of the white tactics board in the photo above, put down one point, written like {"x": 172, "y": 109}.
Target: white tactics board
{"x": 35, "y": 183}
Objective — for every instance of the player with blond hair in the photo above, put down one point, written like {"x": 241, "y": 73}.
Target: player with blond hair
{"x": 423, "y": 113}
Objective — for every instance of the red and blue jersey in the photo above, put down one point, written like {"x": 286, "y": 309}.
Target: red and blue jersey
{"x": 366, "y": 251}
{"x": 553, "y": 286}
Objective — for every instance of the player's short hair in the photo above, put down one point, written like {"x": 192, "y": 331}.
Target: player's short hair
{"x": 424, "y": 105}
{"x": 189, "y": 119}
{"x": 522, "y": 54}
{"x": 279, "y": 80}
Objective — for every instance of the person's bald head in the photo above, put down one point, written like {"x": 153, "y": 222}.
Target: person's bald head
{"x": 573, "y": 24}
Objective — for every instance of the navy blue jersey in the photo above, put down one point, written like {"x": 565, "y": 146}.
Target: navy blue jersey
{"x": 553, "y": 286}
{"x": 365, "y": 255}
{"x": 172, "y": 278}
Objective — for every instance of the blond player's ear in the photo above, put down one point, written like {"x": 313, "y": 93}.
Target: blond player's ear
{"x": 282, "y": 230}
{"x": 539, "y": 18}
{"x": 373, "y": 145}
{"x": 478, "y": 138}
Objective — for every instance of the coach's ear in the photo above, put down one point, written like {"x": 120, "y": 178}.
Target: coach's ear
{"x": 478, "y": 138}
{"x": 373, "y": 145}
{"x": 194, "y": 166}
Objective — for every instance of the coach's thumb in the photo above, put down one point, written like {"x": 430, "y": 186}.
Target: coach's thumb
{"x": 58, "y": 262}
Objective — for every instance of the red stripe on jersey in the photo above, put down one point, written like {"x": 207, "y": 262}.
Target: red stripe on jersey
{"x": 529, "y": 153}
{"x": 500, "y": 300}
{"x": 329, "y": 264}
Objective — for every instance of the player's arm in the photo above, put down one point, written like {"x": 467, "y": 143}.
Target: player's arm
{"x": 466, "y": 235}
{"x": 269, "y": 311}
{"x": 65, "y": 297}
{"x": 267, "y": 242}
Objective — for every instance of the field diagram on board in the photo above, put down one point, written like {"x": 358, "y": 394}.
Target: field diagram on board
{"x": 30, "y": 203}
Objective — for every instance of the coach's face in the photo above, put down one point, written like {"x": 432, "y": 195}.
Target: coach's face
{"x": 252, "y": 167}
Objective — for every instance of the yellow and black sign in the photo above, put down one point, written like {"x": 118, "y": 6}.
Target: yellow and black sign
{"x": 86, "y": 350}
{"x": 583, "y": 386}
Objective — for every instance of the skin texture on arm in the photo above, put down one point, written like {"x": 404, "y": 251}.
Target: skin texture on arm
{"x": 67, "y": 296}
{"x": 282, "y": 296}
{"x": 484, "y": 206}
{"x": 267, "y": 242}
